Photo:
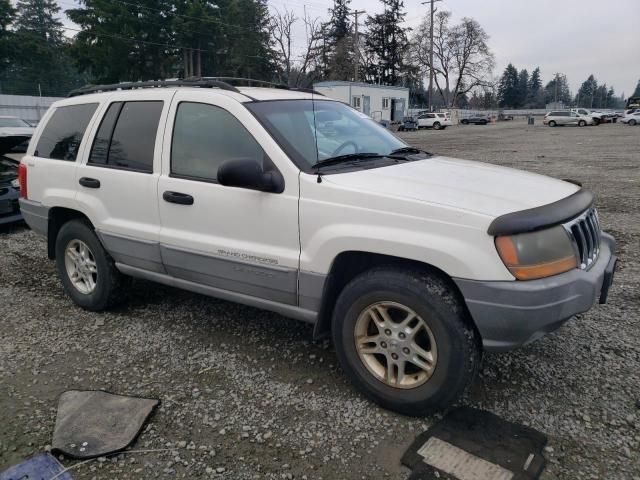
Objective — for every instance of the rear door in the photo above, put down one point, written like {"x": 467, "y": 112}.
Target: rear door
{"x": 118, "y": 177}
{"x": 234, "y": 239}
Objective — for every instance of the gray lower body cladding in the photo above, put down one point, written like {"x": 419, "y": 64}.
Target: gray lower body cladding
{"x": 36, "y": 215}
{"x": 513, "y": 313}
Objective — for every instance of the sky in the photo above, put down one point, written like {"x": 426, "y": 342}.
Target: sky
{"x": 574, "y": 37}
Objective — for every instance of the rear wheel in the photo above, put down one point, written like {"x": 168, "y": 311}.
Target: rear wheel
{"x": 596, "y": 121}
{"x": 403, "y": 339}
{"x": 437, "y": 125}
{"x": 632, "y": 122}
{"x": 88, "y": 273}
{"x": 552, "y": 123}
{"x": 464, "y": 122}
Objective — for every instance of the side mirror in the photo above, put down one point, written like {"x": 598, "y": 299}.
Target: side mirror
{"x": 247, "y": 173}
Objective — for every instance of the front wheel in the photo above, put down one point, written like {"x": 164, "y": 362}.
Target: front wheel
{"x": 552, "y": 123}
{"x": 632, "y": 122}
{"x": 403, "y": 339}
{"x": 88, "y": 273}
{"x": 464, "y": 122}
{"x": 437, "y": 126}
{"x": 596, "y": 121}
{"x": 582, "y": 123}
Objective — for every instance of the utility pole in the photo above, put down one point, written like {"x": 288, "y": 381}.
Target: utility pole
{"x": 433, "y": 11}
{"x": 356, "y": 42}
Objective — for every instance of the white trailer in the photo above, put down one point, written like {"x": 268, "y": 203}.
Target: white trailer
{"x": 380, "y": 102}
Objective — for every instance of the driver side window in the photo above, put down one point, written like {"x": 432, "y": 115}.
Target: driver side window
{"x": 206, "y": 136}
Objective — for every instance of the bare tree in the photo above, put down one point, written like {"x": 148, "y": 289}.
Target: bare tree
{"x": 462, "y": 59}
{"x": 295, "y": 68}
{"x": 282, "y": 31}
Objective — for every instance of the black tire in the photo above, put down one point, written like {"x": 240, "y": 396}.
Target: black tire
{"x": 464, "y": 122}
{"x": 437, "y": 125}
{"x": 459, "y": 350}
{"x": 552, "y": 123}
{"x": 596, "y": 121}
{"x": 582, "y": 123}
{"x": 484, "y": 122}
{"x": 632, "y": 122}
{"x": 109, "y": 283}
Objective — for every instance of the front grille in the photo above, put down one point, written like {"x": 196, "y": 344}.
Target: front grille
{"x": 585, "y": 234}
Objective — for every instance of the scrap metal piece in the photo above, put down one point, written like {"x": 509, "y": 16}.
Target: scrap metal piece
{"x": 96, "y": 423}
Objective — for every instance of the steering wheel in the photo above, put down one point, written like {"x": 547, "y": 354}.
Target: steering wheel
{"x": 343, "y": 146}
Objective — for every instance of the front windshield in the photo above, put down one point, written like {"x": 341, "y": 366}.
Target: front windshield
{"x": 13, "y": 122}
{"x": 311, "y": 131}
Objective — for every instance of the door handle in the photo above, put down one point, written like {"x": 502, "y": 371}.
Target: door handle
{"x": 177, "y": 197}
{"x": 89, "y": 182}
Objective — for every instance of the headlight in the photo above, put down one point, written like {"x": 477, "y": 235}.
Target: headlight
{"x": 15, "y": 183}
{"x": 537, "y": 254}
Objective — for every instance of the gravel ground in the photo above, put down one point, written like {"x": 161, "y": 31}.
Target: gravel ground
{"x": 247, "y": 394}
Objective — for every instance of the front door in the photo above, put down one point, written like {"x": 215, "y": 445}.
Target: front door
{"x": 233, "y": 239}
{"x": 366, "y": 105}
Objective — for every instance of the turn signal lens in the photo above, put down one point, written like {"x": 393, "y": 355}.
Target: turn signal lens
{"x": 537, "y": 254}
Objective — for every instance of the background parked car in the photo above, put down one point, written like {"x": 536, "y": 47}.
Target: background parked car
{"x": 566, "y": 117}
{"x": 437, "y": 121}
{"x": 14, "y": 134}
{"x": 476, "y": 120}
{"x": 598, "y": 117}
{"x": 9, "y": 191}
{"x": 632, "y": 119}
{"x": 408, "y": 124}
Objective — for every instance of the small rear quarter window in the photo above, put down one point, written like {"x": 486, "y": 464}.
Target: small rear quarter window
{"x": 62, "y": 135}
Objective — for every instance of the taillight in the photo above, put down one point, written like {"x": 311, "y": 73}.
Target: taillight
{"x": 22, "y": 179}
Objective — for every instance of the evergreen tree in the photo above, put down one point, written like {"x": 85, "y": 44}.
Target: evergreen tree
{"x": 523, "y": 88}
{"x": 636, "y": 93}
{"x": 7, "y": 16}
{"x": 37, "y": 51}
{"x": 535, "y": 97}
{"x": 387, "y": 43}
{"x": 587, "y": 93}
{"x": 508, "y": 88}
{"x": 558, "y": 90}
{"x": 338, "y": 54}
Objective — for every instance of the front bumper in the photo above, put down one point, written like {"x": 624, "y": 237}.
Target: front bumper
{"x": 513, "y": 313}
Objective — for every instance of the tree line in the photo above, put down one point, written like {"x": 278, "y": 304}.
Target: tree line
{"x": 129, "y": 40}
{"x": 518, "y": 89}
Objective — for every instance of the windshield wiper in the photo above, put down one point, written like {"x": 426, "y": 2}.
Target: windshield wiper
{"x": 407, "y": 150}
{"x": 346, "y": 158}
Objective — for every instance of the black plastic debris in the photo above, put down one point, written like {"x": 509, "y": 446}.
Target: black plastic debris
{"x": 39, "y": 467}
{"x": 471, "y": 444}
{"x": 95, "y": 423}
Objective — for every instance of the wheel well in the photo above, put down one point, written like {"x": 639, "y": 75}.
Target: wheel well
{"x": 58, "y": 216}
{"x": 348, "y": 265}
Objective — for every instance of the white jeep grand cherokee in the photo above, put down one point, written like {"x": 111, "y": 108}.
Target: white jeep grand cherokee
{"x": 296, "y": 203}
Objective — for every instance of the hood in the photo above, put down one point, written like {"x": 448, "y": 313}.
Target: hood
{"x": 8, "y": 170}
{"x": 463, "y": 184}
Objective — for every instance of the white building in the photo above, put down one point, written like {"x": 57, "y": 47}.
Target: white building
{"x": 380, "y": 102}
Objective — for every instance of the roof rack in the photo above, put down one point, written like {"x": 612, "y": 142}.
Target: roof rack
{"x": 187, "y": 82}
{"x": 202, "y": 82}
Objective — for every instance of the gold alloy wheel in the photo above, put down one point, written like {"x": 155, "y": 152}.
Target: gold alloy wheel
{"x": 396, "y": 345}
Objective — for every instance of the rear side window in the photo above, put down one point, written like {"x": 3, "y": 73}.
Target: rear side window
{"x": 127, "y": 136}
{"x": 62, "y": 135}
{"x": 204, "y": 137}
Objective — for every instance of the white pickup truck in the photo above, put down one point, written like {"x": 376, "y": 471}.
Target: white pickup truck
{"x": 414, "y": 263}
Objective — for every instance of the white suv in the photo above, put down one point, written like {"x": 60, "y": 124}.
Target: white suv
{"x": 437, "y": 121}
{"x": 299, "y": 204}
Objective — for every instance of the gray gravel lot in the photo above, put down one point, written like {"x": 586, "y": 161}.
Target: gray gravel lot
{"x": 247, "y": 394}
